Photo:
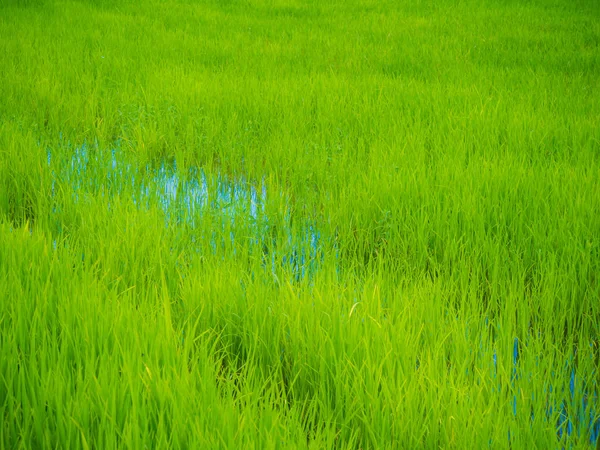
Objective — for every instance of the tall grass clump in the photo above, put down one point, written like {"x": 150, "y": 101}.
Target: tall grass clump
{"x": 269, "y": 224}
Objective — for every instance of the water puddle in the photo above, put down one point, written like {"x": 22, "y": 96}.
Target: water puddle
{"x": 186, "y": 199}
{"x": 576, "y": 415}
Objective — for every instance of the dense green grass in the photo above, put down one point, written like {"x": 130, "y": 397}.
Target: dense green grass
{"x": 448, "y": 153}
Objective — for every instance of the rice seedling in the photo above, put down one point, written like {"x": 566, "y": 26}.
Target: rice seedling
{"x": 274, "y": 224}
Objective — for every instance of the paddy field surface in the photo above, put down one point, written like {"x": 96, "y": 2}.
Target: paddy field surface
{"x": 299, "y": 224}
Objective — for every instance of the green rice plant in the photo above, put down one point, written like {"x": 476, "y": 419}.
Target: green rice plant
{"x": 269, "y": 224}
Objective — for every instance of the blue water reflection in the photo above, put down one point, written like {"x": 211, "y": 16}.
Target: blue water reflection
{"x": 187, "y": 199}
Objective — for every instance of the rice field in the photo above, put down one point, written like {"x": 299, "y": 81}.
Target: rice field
{"x": 297, "y": 224}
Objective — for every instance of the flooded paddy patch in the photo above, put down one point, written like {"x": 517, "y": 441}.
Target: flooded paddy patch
{"x": 217, "y": 212}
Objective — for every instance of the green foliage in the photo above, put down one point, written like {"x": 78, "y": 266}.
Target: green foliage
{"x": 447, "y": 152}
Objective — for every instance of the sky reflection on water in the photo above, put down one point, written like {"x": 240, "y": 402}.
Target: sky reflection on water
{"x": 185, "y": 199}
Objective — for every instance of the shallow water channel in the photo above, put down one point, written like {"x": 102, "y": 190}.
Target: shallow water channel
{"x": 186, "y": 198}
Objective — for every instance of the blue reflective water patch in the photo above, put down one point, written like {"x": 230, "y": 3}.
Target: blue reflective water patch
{"x": 185, "y": 197}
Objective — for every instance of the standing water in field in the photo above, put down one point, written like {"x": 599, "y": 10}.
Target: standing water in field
{"x": 193, "y": 199}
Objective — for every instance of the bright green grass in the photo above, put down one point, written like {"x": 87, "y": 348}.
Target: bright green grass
{"x": 448, "y": 152}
